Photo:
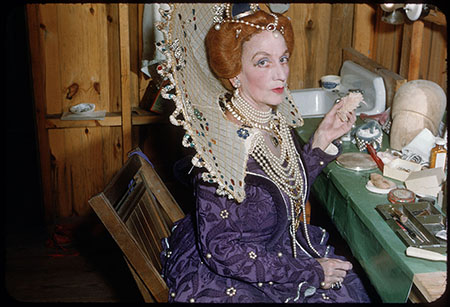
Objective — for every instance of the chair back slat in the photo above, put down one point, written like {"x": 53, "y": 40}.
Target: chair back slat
{"x": 138, "y": 211}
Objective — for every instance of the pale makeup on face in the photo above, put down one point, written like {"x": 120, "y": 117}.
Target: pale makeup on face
{"x": 265, "y": 69}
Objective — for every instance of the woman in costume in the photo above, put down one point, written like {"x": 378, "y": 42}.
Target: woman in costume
{"x": 245, "y": 242}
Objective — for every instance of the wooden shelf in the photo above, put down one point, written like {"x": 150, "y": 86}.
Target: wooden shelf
{"x": 142, "y": 117}
{"x": 138, "y": 117}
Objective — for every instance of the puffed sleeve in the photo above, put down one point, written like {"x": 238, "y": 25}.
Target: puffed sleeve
{"x": 233, "y": 239}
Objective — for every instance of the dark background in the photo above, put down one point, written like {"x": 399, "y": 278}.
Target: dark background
{"x": 23, "y": 206}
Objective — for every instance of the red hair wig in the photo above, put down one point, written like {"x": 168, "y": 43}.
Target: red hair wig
{"x": 224, "y": 50}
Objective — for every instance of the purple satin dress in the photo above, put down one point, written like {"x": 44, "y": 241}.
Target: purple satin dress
{"x": 242, "y": 253}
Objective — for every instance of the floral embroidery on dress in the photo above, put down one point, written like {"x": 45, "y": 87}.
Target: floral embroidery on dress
{"x": 224, "y": 214}
{"x": 231, "y": 291}
{"x": 243, "y": 133}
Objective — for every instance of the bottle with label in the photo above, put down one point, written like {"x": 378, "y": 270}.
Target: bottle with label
{"x": 438, "y": 156}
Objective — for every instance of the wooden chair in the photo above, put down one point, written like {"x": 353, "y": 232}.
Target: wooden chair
{"x": 138, "y": 211}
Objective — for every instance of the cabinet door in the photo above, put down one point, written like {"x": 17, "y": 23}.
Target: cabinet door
{"x": 83, "y": 161}
{"x": 80, "y": 55}
{"x": 75, "y": 59}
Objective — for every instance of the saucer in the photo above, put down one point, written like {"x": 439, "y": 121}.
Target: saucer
{"x": 82, "y": 108}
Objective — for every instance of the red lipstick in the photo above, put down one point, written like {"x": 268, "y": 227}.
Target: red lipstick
{"x": 278, "y": 90}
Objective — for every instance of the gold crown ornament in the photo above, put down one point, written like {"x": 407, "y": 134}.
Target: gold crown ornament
{"x": 234, "y": 12}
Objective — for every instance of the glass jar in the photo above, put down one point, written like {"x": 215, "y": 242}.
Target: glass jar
{"x": 438, "y": 156}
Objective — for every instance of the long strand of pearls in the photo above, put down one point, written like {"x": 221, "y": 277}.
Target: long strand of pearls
{"x": 290, "y": 181}
{"x": 285, "y": 170}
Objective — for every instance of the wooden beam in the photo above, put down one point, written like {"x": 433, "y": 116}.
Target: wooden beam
{"x": 416, "y": 50}
{"x": 125, "y": 77}
{"x": 436, "y": 17}
{"x": 364, "y": 29}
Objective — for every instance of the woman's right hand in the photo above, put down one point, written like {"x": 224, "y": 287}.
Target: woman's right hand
{"x": 334, "y": 270}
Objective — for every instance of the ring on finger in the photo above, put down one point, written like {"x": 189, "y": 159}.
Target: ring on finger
{"x": 336, "y": 286}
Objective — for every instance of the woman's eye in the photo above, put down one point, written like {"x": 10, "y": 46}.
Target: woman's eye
{"x": 284, "y": 59}
{"x": 262, "y": 63}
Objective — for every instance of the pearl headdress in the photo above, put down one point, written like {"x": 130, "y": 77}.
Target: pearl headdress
{"x": 235, "y": 11}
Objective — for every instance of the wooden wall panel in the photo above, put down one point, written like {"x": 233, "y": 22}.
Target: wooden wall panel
{"x": 406, "y": 50}
{"x": 364, "y": 29}
{"x": 387, "y": 43}
{"x": 112, "y": 17}
{"x": 49, "y": 45}
{"x": 321, "y": 32}
{"x": 125, "y": 76}
{"x": 312, "y": 31}
{"x": 415, "y": 50}
{"x": 83, "y": 161}
{"x": 77, "y": 54}
{"x": 75, "y": 43}
{"x": 437, "y": 59}
{"x": 135, "y": 63}
{"x": 341, "y": 34}
{"x": 112, "y": 152}
{"x": 425, "y": 52}
{"x": 60, "y": 203}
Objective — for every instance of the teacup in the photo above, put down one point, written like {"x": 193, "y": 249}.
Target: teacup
{"x": 330, "y": 82}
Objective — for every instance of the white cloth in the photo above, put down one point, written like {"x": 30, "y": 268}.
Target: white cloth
{"x": 331, "y": 149}
{"x": 420, "y": 146}
{"x": 150, "y": 35}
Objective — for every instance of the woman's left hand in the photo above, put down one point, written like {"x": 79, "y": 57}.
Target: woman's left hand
{"x": 332, "y": 127}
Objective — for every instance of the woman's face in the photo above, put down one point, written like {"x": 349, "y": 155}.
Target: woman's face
{"x": 265, "y": 69}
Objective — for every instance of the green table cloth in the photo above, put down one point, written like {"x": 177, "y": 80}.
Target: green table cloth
{"x": 374, "y": 244}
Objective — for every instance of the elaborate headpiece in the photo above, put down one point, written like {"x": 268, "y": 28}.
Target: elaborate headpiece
{"x": 235, "y": 11}
{"x": 222, "y": 147}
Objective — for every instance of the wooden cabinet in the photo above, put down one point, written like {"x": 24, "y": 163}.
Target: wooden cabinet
{"x": 84, "y": 53}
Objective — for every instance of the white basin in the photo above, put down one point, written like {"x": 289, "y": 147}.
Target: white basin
{"x": 313, "y": 102}
{"x": 316, "y": 102}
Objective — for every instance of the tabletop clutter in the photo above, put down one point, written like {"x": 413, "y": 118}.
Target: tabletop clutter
{"x": 413, "y": 168}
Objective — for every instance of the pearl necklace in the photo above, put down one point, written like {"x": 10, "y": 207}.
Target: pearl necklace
{"x": 245, "y": 113}
{"x": 285, "y": 170}
{"x": 288, "y": 176}
{"x": 248, "y": 111}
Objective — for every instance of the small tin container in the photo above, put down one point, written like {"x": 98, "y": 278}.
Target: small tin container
{"x": 401, "y": 195}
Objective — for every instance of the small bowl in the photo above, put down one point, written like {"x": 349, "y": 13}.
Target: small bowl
{"x": 330, "y": 82}
{"x": 82, "y": 108}
{"x": 369, "y": 133}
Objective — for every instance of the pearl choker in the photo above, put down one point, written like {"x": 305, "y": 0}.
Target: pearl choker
{"x": 249, "y": 112}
